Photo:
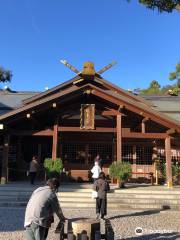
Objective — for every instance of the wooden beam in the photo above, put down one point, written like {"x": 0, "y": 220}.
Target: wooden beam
{"x": 168, "y": 161}
{"x": 119, "y": 137}
{"x": 144, "y": 135}
{"x": 4, "y": 171}
{"x": 171, "y": 131}
{"x": 47, "y": 132}
{"x": 111, "y": 112}
{"x": 55, "y": 140}
{"x": 77, "y": 129}
{"x": 125, "y": 132}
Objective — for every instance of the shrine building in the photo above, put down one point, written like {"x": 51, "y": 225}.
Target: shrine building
{"x": 81, "y": 118}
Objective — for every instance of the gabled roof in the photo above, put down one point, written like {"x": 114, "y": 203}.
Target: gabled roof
{"x": 108, "y": 92}
{"x": 52, "y": 90}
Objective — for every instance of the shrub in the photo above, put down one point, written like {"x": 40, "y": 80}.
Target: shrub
{"x": 161, "y": 167}
{"x": 53, "y": 168}
{"x": 121, "y": 171}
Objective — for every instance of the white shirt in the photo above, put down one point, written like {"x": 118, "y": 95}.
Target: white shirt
{"x": 96, "y": 170}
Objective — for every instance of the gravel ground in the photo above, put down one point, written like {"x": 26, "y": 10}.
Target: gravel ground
{"x": 153, "y": 224}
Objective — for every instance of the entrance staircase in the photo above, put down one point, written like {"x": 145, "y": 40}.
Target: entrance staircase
{"x": 79, "y": 196}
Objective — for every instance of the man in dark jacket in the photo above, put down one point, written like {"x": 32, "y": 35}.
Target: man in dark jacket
{"x": 102, "y": 187}
{"x": 39, "y": 211}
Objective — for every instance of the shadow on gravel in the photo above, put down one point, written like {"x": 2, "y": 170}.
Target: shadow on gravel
{"x": 143, "y": 213}
{"x": 158, "y": 236}
{"x": 11, "y": 219}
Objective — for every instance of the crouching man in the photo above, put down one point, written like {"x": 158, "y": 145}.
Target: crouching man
{"x": 40, "y": 209}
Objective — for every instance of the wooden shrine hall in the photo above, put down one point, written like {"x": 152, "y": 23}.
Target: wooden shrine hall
{"x": 81, "y": 118}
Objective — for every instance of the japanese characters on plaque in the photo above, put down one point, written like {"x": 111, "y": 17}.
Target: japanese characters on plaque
{"x": 87, "y": 116}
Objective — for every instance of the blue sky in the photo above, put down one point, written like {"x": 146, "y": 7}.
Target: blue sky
{"x": 36, "y": 34}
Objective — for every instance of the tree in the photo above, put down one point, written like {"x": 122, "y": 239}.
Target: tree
{"x": 176, "y": 75}
{"x": 161, "y": 5}
{"x": 154, "y": 85}
{"x": 5, "y": 75}
{"x": 154, "y": 88}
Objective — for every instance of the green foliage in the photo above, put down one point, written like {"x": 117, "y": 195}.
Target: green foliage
{"x": 53, "y": 168}
{"x": 154, "y": 88}
{"x": 176, "y": 75}
{"x": 120, "y": 170}
{"x": 5, "y": 75}
{"x": 162, "y": 5}
{"x": 161, "y": 166}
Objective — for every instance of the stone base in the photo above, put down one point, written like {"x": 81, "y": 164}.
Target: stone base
{"x": 86, "y": 226}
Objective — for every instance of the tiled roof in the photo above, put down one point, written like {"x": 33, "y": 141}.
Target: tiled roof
{"x": 12, "y": 99}
{"x": 167, "y": 104}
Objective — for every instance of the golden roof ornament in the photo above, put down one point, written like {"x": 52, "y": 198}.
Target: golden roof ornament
{"x": 88, "y": 69}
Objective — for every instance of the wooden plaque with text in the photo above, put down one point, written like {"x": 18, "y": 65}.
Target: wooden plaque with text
{"x": 87, "y": 116}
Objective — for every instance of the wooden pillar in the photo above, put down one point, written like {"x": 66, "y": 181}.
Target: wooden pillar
{"x": 55, "y": 140}
{"x": 168, "y": 161}
{"x": 134, "y": 166}
{"x": 154, "y": 160}
{"x": 119, "y": 138}
{"x": 4, "y": 173}
{"x": 143, "y": 127}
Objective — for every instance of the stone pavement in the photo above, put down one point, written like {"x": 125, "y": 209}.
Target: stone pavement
{"x": 128, "y": 225}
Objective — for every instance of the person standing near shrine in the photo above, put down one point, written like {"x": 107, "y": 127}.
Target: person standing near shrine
{"x": 34, "y": 165}
{"x": 102, "y": 187}
{"x": 40, "y": 209}
{"x": 99, "y": 160}
{"x": 96, "y": 171}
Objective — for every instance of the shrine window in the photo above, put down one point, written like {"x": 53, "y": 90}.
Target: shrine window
{"x": 127, "y": 154}
{"x": 104, "y": 150}
{"x": 144, "y": 155}
{"x": 73, "y": 153}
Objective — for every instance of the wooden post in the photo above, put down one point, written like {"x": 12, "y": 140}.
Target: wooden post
{"x": 154, "y": 159}
{"x": 4, "y": 173}
{"x": 168, "y": 161}
{"x": 55, "y": 140}
{"x": 143, "y": 127}
{"x": 119, "y": 138}
{"x": 134, "y": 166}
